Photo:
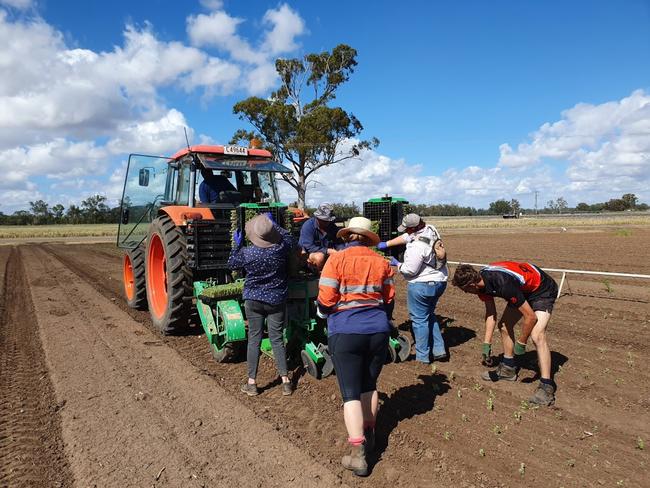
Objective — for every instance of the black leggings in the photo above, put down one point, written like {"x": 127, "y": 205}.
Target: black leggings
{"x": 358, "y": 359}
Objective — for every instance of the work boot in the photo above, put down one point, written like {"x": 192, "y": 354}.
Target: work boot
{"x": 369, "y": 434}
{"x": 544, "y": 395}
{"x": 249, "y": 389}
{"x": 356, "y": 460}
{"x": 287, "y": 388}
{"x": 503, "y": 372}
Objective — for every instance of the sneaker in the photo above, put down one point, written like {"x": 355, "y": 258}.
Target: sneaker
{"x": 249, "y": 389}
{"x": 443, "y": 358}
{"x": 287, "y": 388}
{"x": 503, "y": 372}
{"x": 544, "y": 395}
{"x": 369, "y": 434}
{"x": 356, "y": 461}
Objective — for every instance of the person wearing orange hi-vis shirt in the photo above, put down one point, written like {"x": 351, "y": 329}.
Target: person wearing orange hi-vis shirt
{"x": 356, "y": 294}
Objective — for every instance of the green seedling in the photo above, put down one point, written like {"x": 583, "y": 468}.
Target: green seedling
{"x": 459, "y": 394}
{"x": 490, "y": 404}
{"x": 594, "y": 448}
{"x": 447, "y": 435}
{"x": 478, "y": 387}
{"x": 630, "y": 360}
{"x": 608, "y": 286}
{"x": 522, "y": 470}
{"x": 434, "y": 368}
{"x": 571, "y": 463}
{"x": 481, "y": 452}
{"x": 497, "y": 430}
{"x": 452, "y": 376}
{"x": 620, "y": 483}
{"x": 640, "y": 444}
{"x": 524, "y": 405}
{"x": 517, "y": 416}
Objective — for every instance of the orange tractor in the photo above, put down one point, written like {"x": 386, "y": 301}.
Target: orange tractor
{"x": 177, "y": 248}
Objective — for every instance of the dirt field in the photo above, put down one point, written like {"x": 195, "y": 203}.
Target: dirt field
{"x": 91, "y": 396}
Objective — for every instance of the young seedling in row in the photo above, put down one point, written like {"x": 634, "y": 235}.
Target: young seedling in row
{"x": 608, "y": 286}
{"x": 630, "y": 360}
{"x": 452, "y": 376}
{"x": 481, "y": 452}
{"x": 434, "y": 368}
{"x": 517, "y": 416}
{"x": 447, "y": 435}
{"x": 524, "y": 405}
{"x": 571, "y": 463}
{"x": 497, "y": 430}
{"x": 459, "y": 394}
{"x": 522, "y": 470}
{"x": 490, "y": 404}
{"x": 640, "y": 444}
{"x": 478, "y": 387}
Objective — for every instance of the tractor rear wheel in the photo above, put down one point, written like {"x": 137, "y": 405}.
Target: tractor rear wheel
{"x": 133, "y": 270}
{"x": 168, "y": 278}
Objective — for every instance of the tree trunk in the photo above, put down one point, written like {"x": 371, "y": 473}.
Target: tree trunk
{"x": 302, "y": 191}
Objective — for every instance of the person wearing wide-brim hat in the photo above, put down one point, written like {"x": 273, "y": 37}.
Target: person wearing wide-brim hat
{"x": 318, "y": 236}
{"x": 265, "y": 292}
{"x": 356, "y": 293}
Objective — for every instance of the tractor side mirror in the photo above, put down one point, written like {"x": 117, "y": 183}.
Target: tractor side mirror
{"x": 143, "y": 177}
{"x": 125, "y": 216}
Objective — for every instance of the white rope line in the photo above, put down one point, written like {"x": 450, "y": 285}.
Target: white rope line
{"x": 575, "y": 271}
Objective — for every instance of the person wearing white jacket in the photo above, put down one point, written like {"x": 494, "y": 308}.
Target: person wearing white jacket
{"x": 425, "y": 270}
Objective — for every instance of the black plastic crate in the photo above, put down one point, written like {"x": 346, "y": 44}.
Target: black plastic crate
{"x": 388, "y": 212}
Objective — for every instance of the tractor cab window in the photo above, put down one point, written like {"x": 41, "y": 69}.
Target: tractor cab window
{"x": 217, "y": 186}
{"x": 267, "y": 192}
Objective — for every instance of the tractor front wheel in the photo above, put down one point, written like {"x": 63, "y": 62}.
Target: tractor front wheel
{"x": 133, "y": 271}
{"x": 168, "y": 278}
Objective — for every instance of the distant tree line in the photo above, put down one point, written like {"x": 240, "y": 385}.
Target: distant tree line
{"x": 92, "y": 210}
{"x": 95, "y": 210}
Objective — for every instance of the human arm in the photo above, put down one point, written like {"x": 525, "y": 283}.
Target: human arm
{"x": 307, "y": 241}
{"x": 328, "y": 288}
{"x": 388, "y": 290}
{"x": 237, "y": 258}
{"x": 490, "y": 324}
{"x": 397, "y": 241}
{"x": 413, "y": 259}
{"x": 529, "y": 321}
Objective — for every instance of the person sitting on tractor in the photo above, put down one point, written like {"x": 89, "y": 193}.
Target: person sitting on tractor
{"x": 212, "y": 188}
{"x": 356, "y": 293}
{"x": 265, "y": 292}
{"x": 530, "y": 294}
{"x": 318, "y": 236}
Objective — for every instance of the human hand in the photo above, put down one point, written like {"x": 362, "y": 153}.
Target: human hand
{"x": 269, "y": 216}
{"x": 393, "y": 262}
{"x": 382, "y": 246}
{"x": 238, "y": 238}
{"x": 520, "y": 348}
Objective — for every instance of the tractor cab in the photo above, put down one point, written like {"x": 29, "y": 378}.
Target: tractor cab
{"x": 225, "y": 176}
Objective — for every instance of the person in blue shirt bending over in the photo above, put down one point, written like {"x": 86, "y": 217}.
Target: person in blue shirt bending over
{"x": 212, "y": 186}
{"x": 318, "y": 236}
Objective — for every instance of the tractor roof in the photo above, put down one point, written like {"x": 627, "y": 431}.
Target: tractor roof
{"x": 228, "y": 150}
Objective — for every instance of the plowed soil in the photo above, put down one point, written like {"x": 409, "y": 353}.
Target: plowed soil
{"x": 127, "y": 407}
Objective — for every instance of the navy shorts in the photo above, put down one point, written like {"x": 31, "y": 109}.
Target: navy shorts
{"x": 543, "y": 299}
{"x": 358, "y": 359}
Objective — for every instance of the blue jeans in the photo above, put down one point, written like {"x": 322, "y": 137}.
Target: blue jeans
{"x": 422, "y": 301}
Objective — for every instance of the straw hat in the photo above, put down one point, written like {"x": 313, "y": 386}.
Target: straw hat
{"x": 261, "y": 232}
{"x": 359, "y": 225}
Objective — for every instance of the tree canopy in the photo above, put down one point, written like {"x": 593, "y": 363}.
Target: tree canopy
{"x": 298, "y": 124}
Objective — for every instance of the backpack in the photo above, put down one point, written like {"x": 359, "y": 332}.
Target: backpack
{"x": 438, "y": 256}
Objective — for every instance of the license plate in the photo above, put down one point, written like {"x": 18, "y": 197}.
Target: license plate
{"x": 235, "y": 150}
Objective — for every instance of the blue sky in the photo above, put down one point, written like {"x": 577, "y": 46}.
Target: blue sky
{"x": 471, "y": 100}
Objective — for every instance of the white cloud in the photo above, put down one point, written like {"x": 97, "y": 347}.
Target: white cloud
{"x": 18, "y": 4}
{"x": 68, "y": 112}
{"x": 606, "y": 147}
{"x": 287, "y": 25}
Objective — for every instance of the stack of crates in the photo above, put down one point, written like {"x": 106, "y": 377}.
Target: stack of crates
{"x": 388, "y": 212}
{"x": 278, "y": 211}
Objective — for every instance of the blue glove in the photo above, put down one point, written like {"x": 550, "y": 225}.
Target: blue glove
{"x": 269, "y": 216}
{"x": 394, "y": 262}
{"x": 382, "y": 246}
{"x": 238, "y": 238}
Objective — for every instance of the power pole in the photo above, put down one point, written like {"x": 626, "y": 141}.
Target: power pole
{"x": 536, "y": 193}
